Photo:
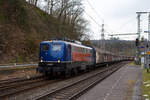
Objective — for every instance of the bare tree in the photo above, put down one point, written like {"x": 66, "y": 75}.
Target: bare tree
{"x": 33, "y": 2}
{"x": 69, "y": 12}
{"x": 36, "y": 2}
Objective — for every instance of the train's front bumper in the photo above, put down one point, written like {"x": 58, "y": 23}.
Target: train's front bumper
{"x": 51, "y": 67}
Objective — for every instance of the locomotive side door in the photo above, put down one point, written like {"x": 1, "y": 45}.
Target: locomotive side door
{"x": 69, "y": 54}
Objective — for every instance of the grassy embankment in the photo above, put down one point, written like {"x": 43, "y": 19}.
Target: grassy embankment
{"x": 146, "y": 84}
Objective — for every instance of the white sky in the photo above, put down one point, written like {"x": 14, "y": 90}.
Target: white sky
{"x": 119, "y": 16}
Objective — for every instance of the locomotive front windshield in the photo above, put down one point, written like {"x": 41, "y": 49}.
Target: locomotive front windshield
{"x": 45, "y": 47}
{"x": 56, "y": 47}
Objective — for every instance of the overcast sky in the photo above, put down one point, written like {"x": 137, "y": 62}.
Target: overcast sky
{"x": 119, "y": 16}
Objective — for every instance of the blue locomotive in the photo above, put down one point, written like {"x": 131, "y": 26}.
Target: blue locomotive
{"x": 58, "y": 57}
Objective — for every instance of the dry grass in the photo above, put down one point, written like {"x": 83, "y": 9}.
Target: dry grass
{"x": 131, "y": 84}
{"x": 9, "y": 73}
{"x": 146, "y": 85}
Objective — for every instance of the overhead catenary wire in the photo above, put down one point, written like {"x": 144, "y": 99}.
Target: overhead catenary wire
{"x": 92, "y": 19}
{"x": 108, "y": 30}
{"x": 95, "y": 11}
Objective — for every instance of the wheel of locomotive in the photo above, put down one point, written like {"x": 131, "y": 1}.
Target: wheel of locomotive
{"x": 90, "y": 67}
{"x": 66, "y": 74}
{"x": 71, "y": 72}
{"x": 87, "y": 68}
{"x": 50, "y": 75}
{"x": 94, "y": 66}
{"x": 46, "y": 75}
{"x": 74, "y": 71}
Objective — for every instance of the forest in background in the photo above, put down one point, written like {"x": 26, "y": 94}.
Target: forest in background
{"x": 120, "y": 47}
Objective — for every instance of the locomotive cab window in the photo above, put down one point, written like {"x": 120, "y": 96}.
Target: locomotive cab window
{"x": 45, "y": 47}
{"x": 56, "y": 47}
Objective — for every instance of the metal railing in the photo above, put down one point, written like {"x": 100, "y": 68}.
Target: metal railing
{"x": 18, "y": 65}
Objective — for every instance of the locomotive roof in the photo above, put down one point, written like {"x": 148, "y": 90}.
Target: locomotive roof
{"x": 74, "y": 44}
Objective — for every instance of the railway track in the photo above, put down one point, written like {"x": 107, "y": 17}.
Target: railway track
{"x": 13, "y": 91}
{"x": 73, "y": 90}
{"x": 16, "y": 80}
{"x": 18, "y": 85}
{"x": 41, "y": 89}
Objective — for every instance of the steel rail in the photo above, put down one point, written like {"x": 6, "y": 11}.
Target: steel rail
{"x": 62, "y": 93}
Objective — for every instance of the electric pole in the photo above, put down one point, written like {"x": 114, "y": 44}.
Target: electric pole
{"x": 139, "y": 23}
{"x": 103, "y": 36}
{"x": 138, "y": 27}
{"x": 138, "y": 53}
{"x": 149, "y": 27}
{"x": 138, "y": 31}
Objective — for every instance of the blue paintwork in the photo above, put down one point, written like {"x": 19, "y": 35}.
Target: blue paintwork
{"x": 63, "y": 55}
{"x": 50, "y": 55}
{"x": 68, "y": 53}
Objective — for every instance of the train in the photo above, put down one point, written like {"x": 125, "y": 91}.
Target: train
{"x": 64, "y": 58}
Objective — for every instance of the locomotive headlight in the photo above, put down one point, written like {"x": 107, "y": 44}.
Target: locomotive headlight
{"x": 41, "y": 60}
{"x": 58, "y": 61}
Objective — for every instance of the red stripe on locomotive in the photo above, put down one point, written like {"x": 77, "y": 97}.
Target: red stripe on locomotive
{"x": 76, "y": 56}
